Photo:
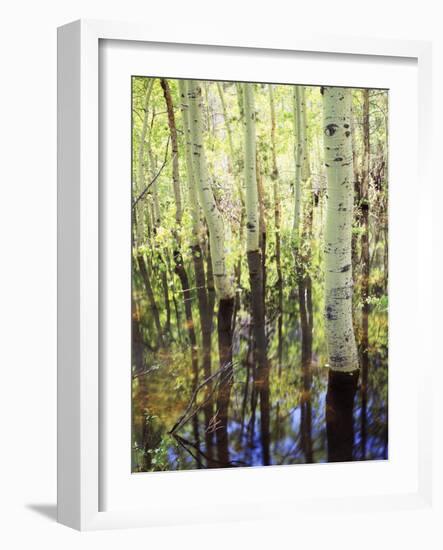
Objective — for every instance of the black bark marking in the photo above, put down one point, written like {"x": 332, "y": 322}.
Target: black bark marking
{"x": 331, "y": 129}
{"x": 330, "y": 316}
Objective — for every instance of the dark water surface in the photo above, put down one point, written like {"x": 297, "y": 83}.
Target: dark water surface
{"x": 236, "y": 413}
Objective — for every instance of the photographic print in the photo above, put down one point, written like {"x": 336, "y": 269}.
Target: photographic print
{"x": 259, "y": 274}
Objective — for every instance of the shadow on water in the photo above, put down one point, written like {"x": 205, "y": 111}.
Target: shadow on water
{"x": 252, "y": 388}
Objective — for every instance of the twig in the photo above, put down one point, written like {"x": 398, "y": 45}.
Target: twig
{"x": 184, "y": 417}
{"x": 185, "y": 442}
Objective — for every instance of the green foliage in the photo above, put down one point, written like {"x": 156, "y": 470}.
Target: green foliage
{"x": 162, "y": 394}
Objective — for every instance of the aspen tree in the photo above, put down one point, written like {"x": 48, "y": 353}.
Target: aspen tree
{"x": 277, "y": 224}
{"x": 299, "y": 155}
{"x": 214, "y": 219}
{"x": 274, "y": 174}
{"x": 199, "y": 269}
{"x": 306, "y": 168}
{"x": 342, "y": 350}
{"x": 192, "y": 191}
{"x": 251, "y": 192}
{"x": 174, "y": 147}
{"x": 255, "y": 265}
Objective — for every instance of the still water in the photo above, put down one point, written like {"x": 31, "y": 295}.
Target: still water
{"x": 192, "y": 410}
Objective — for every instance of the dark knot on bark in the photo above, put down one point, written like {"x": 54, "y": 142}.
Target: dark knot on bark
{"x": 331, "y": 129}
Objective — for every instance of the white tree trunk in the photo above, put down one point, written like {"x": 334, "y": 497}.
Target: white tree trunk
{"x": 192, "y": 191}
{"x": 214, "y": 219}
{"x": 274, "y": 174}
{"x": 251, "y": 195}
{"x": 306, "y": 166}
{"x": 299, "y": 158}
{"x": 342, "y": 350}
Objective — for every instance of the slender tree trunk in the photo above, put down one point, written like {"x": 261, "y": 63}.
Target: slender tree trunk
{"x": 239, "y": 87}
{"x": 234, "y": 169}
{"x": 192, "y": 191}
{"x": 306, "y": 168}
{"x": 276, "y": 188}
{"x": 199, "y": 269}
{"x": 277, "y": 225}
{"x": 252, "y": 225}
{"x": 251, "y": 195}
{"x": 180, "y": 269}
{"x": 299, "y": 156}
{"x": 342, "y": 350}
{"x": 262, "y": 225}
{"x": 174, "y": 148}
{"x": 256, "y": 267}
{"x": 141, "y": 163}
{"x": 364, "y": 205}
{"x": 214, "y": 219}
{"x": 156, "y": 210}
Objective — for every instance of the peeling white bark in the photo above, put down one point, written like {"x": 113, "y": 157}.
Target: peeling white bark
{"x": 342, "y": 350}
{"x": 251, "y": 194}
{"x": 214, "y": 219}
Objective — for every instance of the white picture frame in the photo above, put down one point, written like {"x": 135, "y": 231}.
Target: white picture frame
{"x": 80, "y": 413}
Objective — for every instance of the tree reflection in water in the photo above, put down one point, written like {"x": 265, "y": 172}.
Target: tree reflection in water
{"x": 291, "y": 410}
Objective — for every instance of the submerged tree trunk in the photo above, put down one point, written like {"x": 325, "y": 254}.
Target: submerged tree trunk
{"x": 256, "y": 267}
{"x": 199, "y": 269}
{"x": 233, "y": 166}
{"x": 339, "y": 415}
{"x": 342, "y": 350}
{"x": 364, "y": 206}
{"x": 180, "y": 269}
{"x": 224, "y": 329}
{"x": 275, "y": 177}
